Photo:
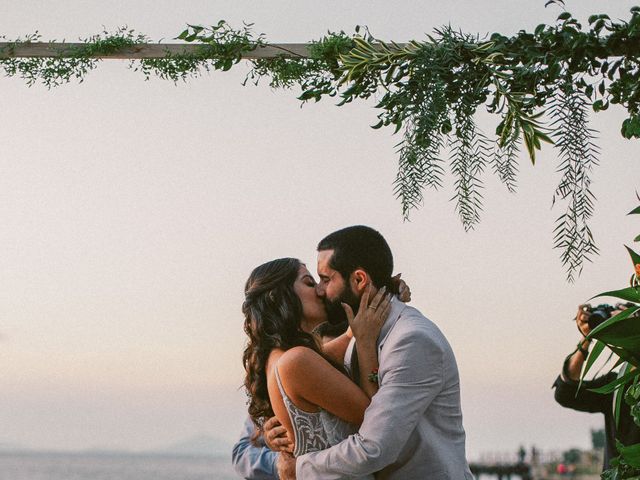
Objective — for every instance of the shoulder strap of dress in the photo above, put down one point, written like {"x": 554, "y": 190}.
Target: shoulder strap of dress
{"x": 279, "y": 382}
{"x": 292, "y": 407}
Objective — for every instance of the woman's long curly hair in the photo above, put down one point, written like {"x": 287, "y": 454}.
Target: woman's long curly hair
{"x": 272, "y": 315}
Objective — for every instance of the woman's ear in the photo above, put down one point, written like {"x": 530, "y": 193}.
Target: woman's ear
{"x": 359, "y": 280}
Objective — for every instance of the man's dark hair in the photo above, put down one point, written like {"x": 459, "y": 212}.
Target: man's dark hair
{"x": 360, "y": 247}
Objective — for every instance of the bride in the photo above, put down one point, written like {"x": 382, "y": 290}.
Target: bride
{"x": 289, "y": 374}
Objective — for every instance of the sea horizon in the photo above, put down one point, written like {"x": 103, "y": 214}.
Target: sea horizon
{"x": 105, "y": 465}
{"x": 196, "y": 445}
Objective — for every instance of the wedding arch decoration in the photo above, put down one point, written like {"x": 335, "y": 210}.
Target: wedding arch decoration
{"x": 541, "y": 85}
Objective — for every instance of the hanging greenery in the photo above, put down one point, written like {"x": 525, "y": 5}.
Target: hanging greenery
{"x": 542, "y": 85}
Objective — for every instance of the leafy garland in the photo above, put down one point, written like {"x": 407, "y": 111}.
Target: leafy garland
{"x": 541, "y": 84}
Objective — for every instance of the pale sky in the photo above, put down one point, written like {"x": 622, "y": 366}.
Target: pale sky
{"x": 132, "y": 213}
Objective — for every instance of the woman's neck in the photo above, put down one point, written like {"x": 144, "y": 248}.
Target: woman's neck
{"x": 309, "y": 326}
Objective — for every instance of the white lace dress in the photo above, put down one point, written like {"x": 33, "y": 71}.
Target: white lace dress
{"x": 314, "y": 431}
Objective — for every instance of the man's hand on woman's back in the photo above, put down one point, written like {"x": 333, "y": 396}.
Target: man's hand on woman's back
{"x": 275, "y": 436}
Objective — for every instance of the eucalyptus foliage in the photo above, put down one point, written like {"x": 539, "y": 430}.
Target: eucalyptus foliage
{"x": 55, "y": 71}
{"x": 221, "y": 48}
{"x": 542, "y": 85}
{"x": 621, "y": 334}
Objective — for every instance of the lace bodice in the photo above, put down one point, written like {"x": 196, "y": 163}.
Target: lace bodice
{"x": 313, "y": 430}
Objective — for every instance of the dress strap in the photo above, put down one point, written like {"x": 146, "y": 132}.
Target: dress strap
{"x": 280, "y": 387}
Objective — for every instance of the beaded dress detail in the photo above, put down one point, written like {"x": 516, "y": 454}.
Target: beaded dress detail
{"x": 314, "y": 431}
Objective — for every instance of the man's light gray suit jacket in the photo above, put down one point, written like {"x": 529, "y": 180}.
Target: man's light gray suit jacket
{"x": 413, "y": 427}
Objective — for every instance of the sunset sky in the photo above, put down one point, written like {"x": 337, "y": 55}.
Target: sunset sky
{"x": 132, "y": 213}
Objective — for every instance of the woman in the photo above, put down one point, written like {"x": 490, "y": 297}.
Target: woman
{"x": 288, "y": 373}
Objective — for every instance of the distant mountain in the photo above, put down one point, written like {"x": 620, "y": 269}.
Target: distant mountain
{"x": 12, "y": 447}
{"x": 199, "y": 445}
{"x": 106, "y": 451}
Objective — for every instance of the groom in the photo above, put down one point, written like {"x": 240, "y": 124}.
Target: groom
{"x": 413, "y": 427}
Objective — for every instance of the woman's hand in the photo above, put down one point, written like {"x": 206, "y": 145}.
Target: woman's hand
{"x": 366, "y": 326}
{"x": 372, "y": 314}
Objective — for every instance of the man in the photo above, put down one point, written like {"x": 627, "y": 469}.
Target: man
{"x": 413, "y": 427}
{"x": 568, "y": 395}
{"x": 257, "y": 461}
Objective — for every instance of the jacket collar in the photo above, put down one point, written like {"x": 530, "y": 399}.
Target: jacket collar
{"x": 396, "y": 309}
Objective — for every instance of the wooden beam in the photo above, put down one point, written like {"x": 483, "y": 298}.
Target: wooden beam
{"x": 153, "y": 50}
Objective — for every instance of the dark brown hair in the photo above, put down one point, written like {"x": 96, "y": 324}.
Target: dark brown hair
{"x": 360, "y": 247}
{"x": 272, "y": 315}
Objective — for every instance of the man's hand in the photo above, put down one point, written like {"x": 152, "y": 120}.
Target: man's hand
{"x": 573, "y": 366}
{"x": 286, "y": 466}
{"x": 275, "y": 436}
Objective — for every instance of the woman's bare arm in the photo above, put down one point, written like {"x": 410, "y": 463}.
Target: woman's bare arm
{"x": 335, "y": 349}
{"x": 311, "y": 381}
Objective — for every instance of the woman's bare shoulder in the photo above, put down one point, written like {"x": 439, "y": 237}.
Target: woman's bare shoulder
{"x": 298, "y": 359}
{"x": 272, "y": 359}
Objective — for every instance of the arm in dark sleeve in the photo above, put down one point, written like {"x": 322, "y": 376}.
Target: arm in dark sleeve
{"x": 250, "y": 461}
{"x": 583, "y": 400}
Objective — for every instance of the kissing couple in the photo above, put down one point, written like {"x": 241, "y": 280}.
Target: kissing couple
{"x": 381, "y": 400}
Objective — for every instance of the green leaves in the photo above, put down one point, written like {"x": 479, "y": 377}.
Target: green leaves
{"x": 554, "y": 2}
{"x": 635, "y": 258}
{"x": 578, "y": 154}
{"x": 420, "y": 164}
{"x": 557, "y": 73}
{"x": 630, "y": 294}
{"x": 505, "y": 160}
{"x": 191, "y": 33}
{"x": 616, "y": 384}
{"x": 631, "y": 127}
{"x": 632, "y": 398}
{"x": 469, "y": 156}
{"x": 600, "y": 105}
{"x": 533, "y": 133}
{"x": 594, "y": 354}
{"x": 540, "y": 83}
{"x": 75, "y": 63}
{"x": 621, "y": 333}
{"x": 221, "y": 48}
{"x": 631, "y": 454}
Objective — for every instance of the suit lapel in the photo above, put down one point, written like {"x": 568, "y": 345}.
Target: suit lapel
{"x": 396, "y": 309}
{"x": 351, "y": 356}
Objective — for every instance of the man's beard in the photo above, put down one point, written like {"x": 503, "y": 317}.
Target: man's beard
{"x": 335, "y": 313}
{"x": 335, "y": 310}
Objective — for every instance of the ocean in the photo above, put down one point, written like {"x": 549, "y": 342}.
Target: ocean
{"x": 112, "y": 466}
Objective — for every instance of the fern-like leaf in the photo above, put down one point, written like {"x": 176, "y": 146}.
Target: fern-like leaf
{"x": 420, "y": 164}
{"x": 505, "y": 160}
{"x": 469, "y": 157}
{"x": 578, "y": 156}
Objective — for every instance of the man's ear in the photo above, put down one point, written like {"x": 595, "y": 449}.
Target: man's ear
{"x": 359, "y": 280}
